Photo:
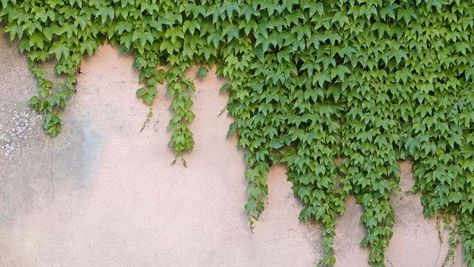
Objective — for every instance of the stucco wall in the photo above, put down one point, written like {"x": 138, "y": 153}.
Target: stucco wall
{"x": 105, "y": 194}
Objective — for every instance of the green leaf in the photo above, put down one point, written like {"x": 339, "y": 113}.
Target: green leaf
{"x": 202, "y": 73}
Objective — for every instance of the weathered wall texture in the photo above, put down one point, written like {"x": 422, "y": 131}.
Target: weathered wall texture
{"x": 105, "y": 194}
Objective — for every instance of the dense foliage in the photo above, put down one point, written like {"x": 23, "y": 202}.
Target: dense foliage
{"x": 339, "y": 90}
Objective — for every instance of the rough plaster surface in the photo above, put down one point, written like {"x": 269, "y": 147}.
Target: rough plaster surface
{"x": 105, "y": 194}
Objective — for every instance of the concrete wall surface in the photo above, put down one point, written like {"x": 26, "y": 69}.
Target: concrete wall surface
{"x": 105, "y": 194}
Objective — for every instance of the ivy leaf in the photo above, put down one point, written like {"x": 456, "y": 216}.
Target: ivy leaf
{"x": 60, "y": 50}
{"x": 202, "y": 73}
{"x": 105, "y": 13}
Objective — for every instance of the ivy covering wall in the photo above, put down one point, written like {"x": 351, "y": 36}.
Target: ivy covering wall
{"x": 339, "y": 91}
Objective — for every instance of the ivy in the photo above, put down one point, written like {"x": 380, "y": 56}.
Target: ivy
{"x": 339, "y": 91}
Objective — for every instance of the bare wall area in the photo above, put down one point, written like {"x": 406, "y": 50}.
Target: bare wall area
{"x": 105, "y": 194}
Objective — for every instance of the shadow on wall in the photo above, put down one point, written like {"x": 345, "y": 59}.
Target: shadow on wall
{"x": 105, "y": 194}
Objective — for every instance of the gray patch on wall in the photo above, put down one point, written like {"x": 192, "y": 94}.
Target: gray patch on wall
{"x": 76, "y": 152}
{"x": 33, "y": 167}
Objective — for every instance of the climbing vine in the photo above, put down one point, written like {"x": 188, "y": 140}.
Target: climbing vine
{"x": 339, "y": 90}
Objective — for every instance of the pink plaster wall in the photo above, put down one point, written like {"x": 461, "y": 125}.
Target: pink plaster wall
{"x": 133, "y": 208}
